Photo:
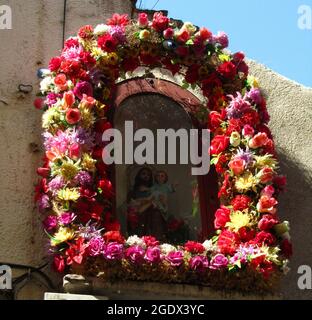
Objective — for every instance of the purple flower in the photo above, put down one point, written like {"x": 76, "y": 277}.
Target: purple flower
{"x": 218, "y": 262}
{"x": 237, "y": 106}
{"x": 67, "y": 218}
{"x": 83, "y": 178}
{"x": 222, "y": 39}
{"x": 118, "y": 33}
{"x": 56, "y": 184}
{"x": 135, "y": 254}
{"x": 255, "y": 95}
{"x": 113, "y": 251}
{"x": 84, "y": 137}
{"x": 83, "y": 87}
{"x": 175, "y": 258}
{"x": 199, "y": 263}
{"x": 50, "y": 223}
{"x": 43, "y": 203}
{"x": 51, "y": 98}
{"x": 153, "y": 255}
{"x": 247, "y": 156}
{"x": 96, "y": 246}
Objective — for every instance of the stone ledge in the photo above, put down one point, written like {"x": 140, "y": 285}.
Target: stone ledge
{"x": 136, "y": 290}
{"x": 69, "y": 296}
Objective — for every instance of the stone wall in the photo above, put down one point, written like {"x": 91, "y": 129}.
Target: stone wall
{"x": 36, "y": 36}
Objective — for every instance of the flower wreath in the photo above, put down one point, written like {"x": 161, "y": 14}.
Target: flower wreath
{"x": 75, "y": 192}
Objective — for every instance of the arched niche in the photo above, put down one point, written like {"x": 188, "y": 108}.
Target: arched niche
{"x": 158, "y": 104}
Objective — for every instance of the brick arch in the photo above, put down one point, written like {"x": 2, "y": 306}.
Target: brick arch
{"x": 208, "y": 184}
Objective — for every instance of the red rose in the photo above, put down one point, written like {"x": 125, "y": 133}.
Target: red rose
{"x": 219, "y": 144}
{"x": 55, "y": 63}
{"x": 222, "y": 216}
{"x": 113, "y": 236}
{"x": 150, "y": 241}
{"x": 227, "y": 242}
{"x": 240, "y": 202}
{"x": 107, "y": 43}
{"x": 194, "y": 247}
{"x": 267, "y": 222}
{"x": 72, "y": 116}
{"x": 107, "y": 188}
{"x": 215, "y": 119}
{"x": 227, "y": 70}
{"x": 264, "y": 238}
{"x": 221, "y": 164}
{"x": 246, "y": 235}
{"x": 286, "y": 248}
{"x": 234, "y": 125}
{"x": 58, "y": 263}
{"x": 160, "y": 22}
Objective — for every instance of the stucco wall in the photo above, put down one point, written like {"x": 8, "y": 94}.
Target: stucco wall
{"x": 37, "y": 36}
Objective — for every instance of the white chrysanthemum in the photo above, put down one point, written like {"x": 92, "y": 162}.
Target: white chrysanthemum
{"x": 45, "y": 84}
{"x": 135, "y": 241}
{"x": 101, "y": 29}
{"x": 209, "y": 246}
{"x": 166, "y": 248}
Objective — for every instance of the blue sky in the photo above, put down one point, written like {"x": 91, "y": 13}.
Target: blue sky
{"x": 266, "y": 30}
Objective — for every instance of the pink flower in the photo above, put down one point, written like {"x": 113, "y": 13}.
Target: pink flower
{"x": 248, "y": 131}
{"x": 222, "y": 39}
{"x": 175, "y": 258}
{"x": 267, "y": 222}
{"x": 96, "y": 246}
{"x": 82, "y": 88}
{"x": 160, "y": 22}
{"x": 219, "y": 261}
{"x": 168, "y": 33}
{"x": 113, "y": 251}
{"x": 87, "y": 101}
{"x": 74, "y": 151}
{"x": 152, "y": 255}
{"x": 135, "y": 254}
{"x": 222, "y": 216}
{"x": 199, "y": 263}
{"x": 259, "y": 140}
{"x": 66, "y": 218}
{"x": 143, "y": 20}
{"x": 58, "y": 263}
{"x": 266, "y": 175}
{"x": 50, "y": 223}
{"x": 268, "y": 191}
{"x": 267, "y": 204}
{"x": 237, "y": 166}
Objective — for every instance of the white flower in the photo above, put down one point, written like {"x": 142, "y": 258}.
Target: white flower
{"x": 45, "y": 84}
{"x": 209, "y": 246}
{"x": 135, "y": 240}
{"x": 166, "y": 248}
{"x": 101, "y": 29}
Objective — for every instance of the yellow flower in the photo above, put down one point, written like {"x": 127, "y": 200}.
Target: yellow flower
{"x": 68, "y": 170}
{"x": 253, "y": 81}
{"x": 50, "y": 117}
{"x": 87, "y": 117}
{"x": 113, "y": 58}
{"x": 246, "y": 182}
{"x": 63, "y": 234}
{"x": 69, "y": 194}
{"x": 239, "y": 219}
{"x": 265, "y": 161}
{"x": 88, "y": 163}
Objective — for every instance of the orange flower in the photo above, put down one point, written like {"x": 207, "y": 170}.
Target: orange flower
{"x": 259, "y": 140}
{"x": 237, "y": 166}
{"x": 61, "y": 81}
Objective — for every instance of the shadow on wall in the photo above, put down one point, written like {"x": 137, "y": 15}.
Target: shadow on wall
{"x": 294, "y": 206}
